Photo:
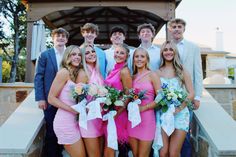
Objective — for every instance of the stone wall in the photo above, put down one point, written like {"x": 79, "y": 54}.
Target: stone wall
{"x": 11, "y": 95}
{"x": 224, "y": 95}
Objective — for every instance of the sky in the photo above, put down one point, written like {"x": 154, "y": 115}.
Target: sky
{"x": 203, "y": 17}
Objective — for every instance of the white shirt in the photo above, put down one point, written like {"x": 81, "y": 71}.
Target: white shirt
{"x": 154, "y": 55}
{"x": 59, "y": 57}
{"x": 180, "y": 47}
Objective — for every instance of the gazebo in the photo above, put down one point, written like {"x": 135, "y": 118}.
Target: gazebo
{"x": 72, "y": 14}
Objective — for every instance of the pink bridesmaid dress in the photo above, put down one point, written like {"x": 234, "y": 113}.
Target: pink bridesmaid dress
{"x": 95, "y": 126}
{"x": 146, "y": 129}
{"x": 114, "y": 80}
{"x": 65, "y": 124}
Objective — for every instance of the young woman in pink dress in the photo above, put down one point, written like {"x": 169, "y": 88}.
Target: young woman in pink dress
{"x": 142, "y": 135}
{"x": 93, "y": 135}
{"x": 65, "y": 125}
{"x": 120, "y": 79}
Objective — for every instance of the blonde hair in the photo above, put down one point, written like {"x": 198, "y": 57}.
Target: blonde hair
{"x": 176, "y": 60}
{"x": 66, "y": 62}
{"x": 83, "y": 48}
{"x": 135, "y": 69}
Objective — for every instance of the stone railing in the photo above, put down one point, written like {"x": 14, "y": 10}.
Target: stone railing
{"x": 225, "y": 95}
{"x": 214, "y": 134}
{"x": 22, "y": 133}
{"x": 11, "y": 95}
{"x": 214, "y": 131}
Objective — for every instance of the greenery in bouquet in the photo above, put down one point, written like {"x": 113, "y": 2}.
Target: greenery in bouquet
{"x": 80, "y": 91}
{"x": 167, "y": 96}
{"x": 134, "y": 94}
{"x": 114, "y": 98}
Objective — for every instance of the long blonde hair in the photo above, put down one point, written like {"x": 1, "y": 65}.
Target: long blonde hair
{"x": 83, "y": 48}
{"x": 178, "y": 67}
{"x": 66, "y": 62}
{"x": 135, "y": 69}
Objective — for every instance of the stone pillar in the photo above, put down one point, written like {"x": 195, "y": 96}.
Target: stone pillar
{"x": 29, "y": 76}
{"x": 234, "y": 109}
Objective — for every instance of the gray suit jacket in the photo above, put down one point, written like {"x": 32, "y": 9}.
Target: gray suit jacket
{"x": 192, "y": 62}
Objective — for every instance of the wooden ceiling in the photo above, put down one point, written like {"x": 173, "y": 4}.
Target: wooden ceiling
{"x": 104, "y": 17}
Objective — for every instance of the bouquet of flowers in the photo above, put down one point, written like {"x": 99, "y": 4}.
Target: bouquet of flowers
{"x": 133, "y": 106}
{"x": 167, "y": 96}
{"x": 114, "y": 98}
{"x": 96, "y": 95}
{"x": 96, "y": 91}
{"x": 134, "y": 94}
{"x": 80, "y": 91}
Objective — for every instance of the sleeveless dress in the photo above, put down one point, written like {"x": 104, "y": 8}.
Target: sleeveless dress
{"x": 114, "y": 80}
{"x": 181, "y": 119}
{"x": 146, "y": 129}
{"x": 65, "y": 124}
{"x": 95, "y": 126}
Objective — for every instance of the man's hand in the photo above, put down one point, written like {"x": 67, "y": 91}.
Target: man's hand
{"x": 196, "y": 104}
{"x": 42, "y": 104}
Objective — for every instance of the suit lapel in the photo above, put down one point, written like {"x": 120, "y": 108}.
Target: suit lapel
{"x": 52, "y": 56}
{"x": 186, "y": 52}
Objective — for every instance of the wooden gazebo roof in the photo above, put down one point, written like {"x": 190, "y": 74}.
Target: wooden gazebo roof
{"x": 104, "y": 16}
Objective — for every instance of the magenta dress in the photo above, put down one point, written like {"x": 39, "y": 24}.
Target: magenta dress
{"x": 114, "y": 80}
{"x": 146, "y": 129}
{"x": 65, "y": 124}
{"x": 95, "y": 126}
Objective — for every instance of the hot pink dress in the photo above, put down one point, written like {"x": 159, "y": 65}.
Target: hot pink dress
{"x": 114, "y": 80}
{"x": 65, "y": 124}
{"x": 95, "y": 126}
{"x": 146, "y": 129}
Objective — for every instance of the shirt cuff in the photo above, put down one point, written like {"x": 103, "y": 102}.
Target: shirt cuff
{"x": 197, "y": 98}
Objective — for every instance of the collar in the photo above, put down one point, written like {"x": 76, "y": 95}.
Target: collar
{"x": 57, "y": 52}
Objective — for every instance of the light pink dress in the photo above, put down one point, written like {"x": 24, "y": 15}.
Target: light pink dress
{"x": 114, "y": 80}
{"x": 146, "y": 129}
{"x": 95, "y": 126}
{"x": 65, "y": 124}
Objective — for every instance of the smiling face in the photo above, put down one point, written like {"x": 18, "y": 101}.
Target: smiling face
{"x": 146, "y": 35}
{"x": 59, "y": 39}
{"x": 140, "y": 58}
{"x": 75, "y": 57}
{"x": 120, "y": 54}
{"x": 90, "y": 55}
{"x": 89, "y": 36}
{"x": 117, "y": 38}
{"x": 168, "y": 53}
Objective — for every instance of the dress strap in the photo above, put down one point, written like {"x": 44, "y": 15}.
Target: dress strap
{"x": 140, "y": 76}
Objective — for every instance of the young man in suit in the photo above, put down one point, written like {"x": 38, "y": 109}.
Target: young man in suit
{"x": 190, "y": 57}
{"x": 47, "y": 66}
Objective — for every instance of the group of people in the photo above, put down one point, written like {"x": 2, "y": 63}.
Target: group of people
{"x": 177, "y": 62}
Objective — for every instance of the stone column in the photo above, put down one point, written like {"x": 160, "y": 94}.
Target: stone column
{"x": 29, "y": 76}
{"x": 234, "y": 109}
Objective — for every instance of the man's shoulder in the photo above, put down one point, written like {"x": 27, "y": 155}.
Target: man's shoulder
{"x": 190, "y": 43}
{"x": 50, "y": 50}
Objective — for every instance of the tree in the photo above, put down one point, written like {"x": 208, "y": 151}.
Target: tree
{"x": 15, "y": 13}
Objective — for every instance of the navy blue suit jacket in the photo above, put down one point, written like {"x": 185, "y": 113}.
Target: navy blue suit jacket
{"x": 46, "y": 70}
